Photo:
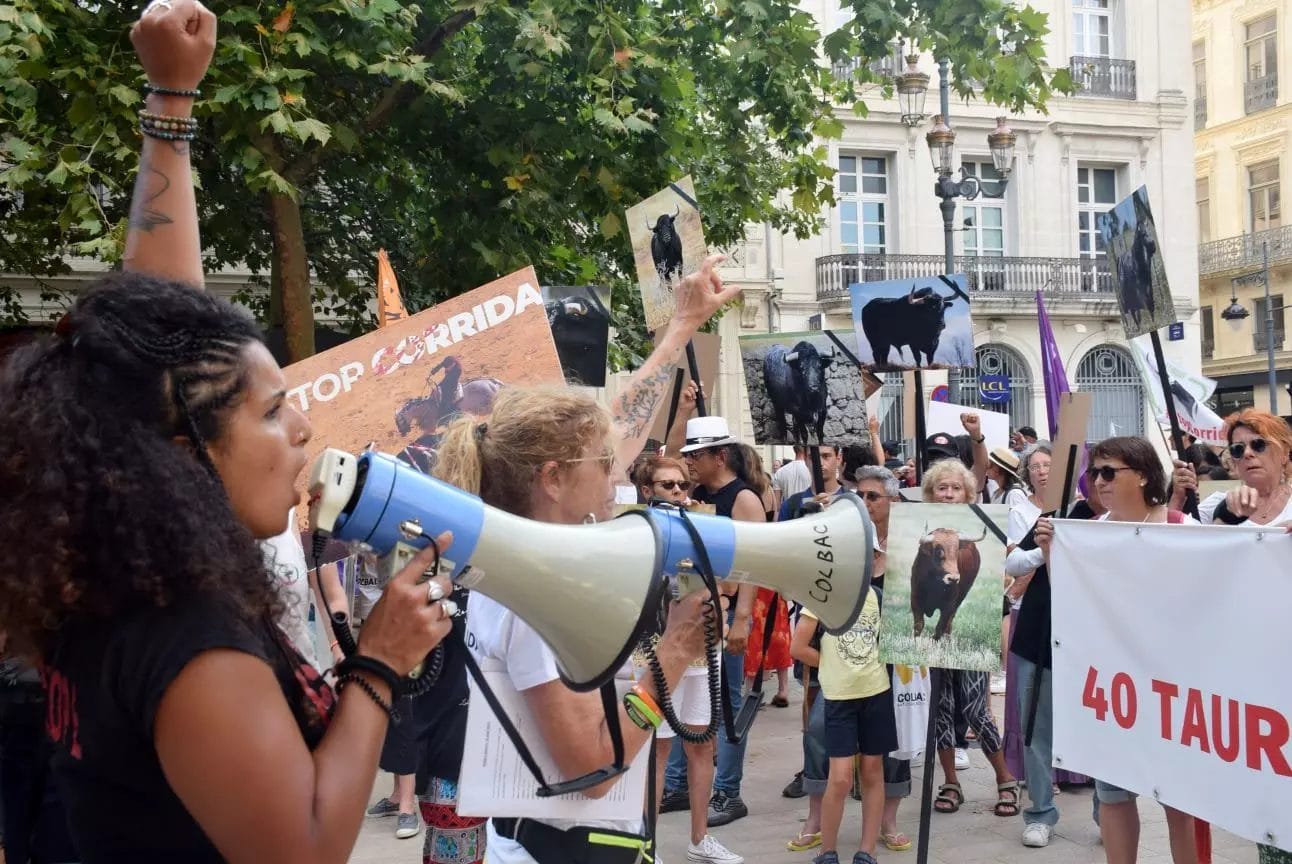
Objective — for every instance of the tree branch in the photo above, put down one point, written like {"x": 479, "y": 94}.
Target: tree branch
{"x": 394, "y": 97}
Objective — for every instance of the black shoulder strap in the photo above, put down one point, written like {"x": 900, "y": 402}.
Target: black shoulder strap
{"x": 609, "y": 703}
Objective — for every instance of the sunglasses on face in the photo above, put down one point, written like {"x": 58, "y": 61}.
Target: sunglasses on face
{"x": 1107, "y": 473}
{"x": 1257, "y": 445}
{"x": 670, "y": 485}
{"x": 872, "y": 497}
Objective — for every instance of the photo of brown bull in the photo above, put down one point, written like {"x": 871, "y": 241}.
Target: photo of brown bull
{"x": 945, "y": 567}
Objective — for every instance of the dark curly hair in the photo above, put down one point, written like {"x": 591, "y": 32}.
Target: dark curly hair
{"x": 101, "y": 511}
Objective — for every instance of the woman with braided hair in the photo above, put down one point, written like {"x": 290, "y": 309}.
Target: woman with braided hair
{"x": 145, "y": 447}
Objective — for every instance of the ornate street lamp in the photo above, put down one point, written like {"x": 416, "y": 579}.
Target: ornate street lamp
{"x": 942, "y": 147}
{"x": 912, "y": 86}
{"x": 1001, "y": 141}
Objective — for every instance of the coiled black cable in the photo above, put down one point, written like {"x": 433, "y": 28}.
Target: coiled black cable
{"x": 433, "y": 665}
{"x": 712, "y": 639}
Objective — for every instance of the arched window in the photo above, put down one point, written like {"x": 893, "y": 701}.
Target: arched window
{"x": 996, "y": 360}
{"x": 1109, "y": 375}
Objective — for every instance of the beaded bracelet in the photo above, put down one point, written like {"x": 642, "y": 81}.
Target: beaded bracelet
{"x": 167, "y": 122}
{"x": 170, "y": 91}
{"x": 372, "y": 694}
{"x": 168, "y": 136}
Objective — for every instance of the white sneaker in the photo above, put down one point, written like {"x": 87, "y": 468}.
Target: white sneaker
{"x": 962, "y": 759}
{"x": 998, "y": 684}
{"x": 710, "y": 851}
{"x": 1036, "y": 835}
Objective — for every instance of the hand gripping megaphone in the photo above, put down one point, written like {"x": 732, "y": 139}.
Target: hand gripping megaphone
{"x": 591, "y": 591}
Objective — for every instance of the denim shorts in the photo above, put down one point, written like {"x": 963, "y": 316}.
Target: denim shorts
{"x": 1110, "y": 794}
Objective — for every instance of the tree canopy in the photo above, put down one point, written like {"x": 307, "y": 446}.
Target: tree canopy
{"x": 467, "y": 138}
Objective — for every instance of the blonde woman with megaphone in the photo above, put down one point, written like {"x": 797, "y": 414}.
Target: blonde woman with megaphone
{"x": 554, "y": 455}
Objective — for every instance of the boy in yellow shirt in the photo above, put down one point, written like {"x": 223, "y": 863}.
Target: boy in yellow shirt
{"x": 859, "y": 719}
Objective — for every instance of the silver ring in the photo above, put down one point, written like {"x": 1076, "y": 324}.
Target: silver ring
{"x": 158, "y": 4}
{"x": 435, "y": 592}
{"x": 448, "y": 608}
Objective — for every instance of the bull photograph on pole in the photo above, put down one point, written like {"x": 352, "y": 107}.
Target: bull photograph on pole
{"x": 805, "y": 388}
{"x": 921, "y": 323}
{"x": 946, "y": 565}
{"x": 667, "y": 235}
{"x": 1138, "y": 270}
{"x": 580, "y": 321}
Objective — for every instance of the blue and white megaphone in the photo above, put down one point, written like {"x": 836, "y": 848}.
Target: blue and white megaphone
{"x": 591, "y": 591}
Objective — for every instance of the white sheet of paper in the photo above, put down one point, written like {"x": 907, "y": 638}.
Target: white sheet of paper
{"x": 495, "y": 782}
{"x": 945, "y": 417}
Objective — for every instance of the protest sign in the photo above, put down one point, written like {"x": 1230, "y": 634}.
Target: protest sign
{"x": 1164, "y": 636}
{"x": 804, "y": 388}
{"x": 707, "y": 348}
{"x": 667, "y": 236}
{"x": 580, "y": 320}
{"x": 1137, "y": 268}
{"x": 921, "y": 323}
{"x": 399, "y": 386}
{"x": 1188, "y": 390}
{"x": 1074, "y": 417}
{"x": 944, "y": 577}
{"x": 945, "y": 417}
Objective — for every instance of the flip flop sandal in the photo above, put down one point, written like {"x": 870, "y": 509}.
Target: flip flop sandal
{"x": 1007, "y": 803}
{"x": 804, "y": 842}
{"x": 896, "y": 842}
{"x": 949, "y": 799}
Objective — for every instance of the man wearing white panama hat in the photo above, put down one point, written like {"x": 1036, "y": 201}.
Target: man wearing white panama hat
{"x": 715, "y": 464}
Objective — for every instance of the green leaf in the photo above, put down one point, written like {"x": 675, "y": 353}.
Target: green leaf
{"x": 124, "y": 95}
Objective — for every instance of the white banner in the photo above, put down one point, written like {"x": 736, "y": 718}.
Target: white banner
{"x": 1171, "y": 650}
{"x": 1188, "y": 391}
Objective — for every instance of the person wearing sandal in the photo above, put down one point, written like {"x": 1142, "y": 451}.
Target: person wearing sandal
{"x": 950, "y": 482}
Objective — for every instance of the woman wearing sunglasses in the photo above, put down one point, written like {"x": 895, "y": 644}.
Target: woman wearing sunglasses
{"x": 1260, "y": 445}
{"x": 1128, "y": 476}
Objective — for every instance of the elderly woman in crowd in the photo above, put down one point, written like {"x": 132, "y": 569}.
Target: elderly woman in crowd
{"x": 950, "y": 482}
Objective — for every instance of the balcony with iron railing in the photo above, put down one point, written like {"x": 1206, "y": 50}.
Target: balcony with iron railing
{"x": 1103, "y": 77}
{"x": 1261, "y": 93}
{"x": 883, "y": 67}
{"x": 1258, "y": 338}
{"x": 1000, "y": 276}
{"x": 1245, "y": 251}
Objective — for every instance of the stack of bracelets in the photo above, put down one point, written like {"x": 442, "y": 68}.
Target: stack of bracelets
{"x": 165, "y": 127}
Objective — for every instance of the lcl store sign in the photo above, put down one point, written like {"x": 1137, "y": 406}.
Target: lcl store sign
{"x": 993, "y": 389}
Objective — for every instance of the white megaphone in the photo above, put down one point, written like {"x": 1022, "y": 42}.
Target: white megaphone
{"x": 591, "y": 591}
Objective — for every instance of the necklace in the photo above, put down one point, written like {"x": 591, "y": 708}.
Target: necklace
{"x": 1273, "y": 505}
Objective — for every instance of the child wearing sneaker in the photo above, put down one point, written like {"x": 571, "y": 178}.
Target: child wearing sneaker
{"x": 859, "y": 719}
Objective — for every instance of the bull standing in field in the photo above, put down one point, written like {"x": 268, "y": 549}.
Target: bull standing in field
{"x": 951, "y": 482}
{"x": 666, "y": 248}
{"x": 946, "y": 566}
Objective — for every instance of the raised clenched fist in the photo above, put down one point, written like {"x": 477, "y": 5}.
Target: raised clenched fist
{"x": 175, "y": 40}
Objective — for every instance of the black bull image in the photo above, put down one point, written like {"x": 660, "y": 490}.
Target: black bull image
{"x": 945, "y": 568}
{"x": 915, "y": 322}
{"x": 580, "y": 329}
{"x": 796, "y": 386}
{"x": 1135, "y": 274}
{"x": 666, "y": 247}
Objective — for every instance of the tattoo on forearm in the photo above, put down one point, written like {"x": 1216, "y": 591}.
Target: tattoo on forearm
{"x": 635, "y": 407}
{"x": 152, "y": 184}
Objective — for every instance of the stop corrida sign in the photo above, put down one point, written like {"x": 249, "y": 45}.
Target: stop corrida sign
{"x": 1169, "y": 649}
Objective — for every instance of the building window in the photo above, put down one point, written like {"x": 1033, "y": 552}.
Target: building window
{"x": 1275, "y": 301}
{"x": 863, "y": 204}
{"x": 1204, "y": 209}
{"x": 1263, "y": 196}
{"x": 984, "y": 225}
{"x": 1208, "y": 333}
{"x": 1233, "y": 399}
{"x": 1199, "y": 85}
{"x": 1261, "y": 89}
{"x": 1096, "y": 195}
{"x": 1092, "y": 28}
{"x": 1108, "y": 374}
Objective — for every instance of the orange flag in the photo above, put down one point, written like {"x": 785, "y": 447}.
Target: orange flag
{"x": 390, "y": 306}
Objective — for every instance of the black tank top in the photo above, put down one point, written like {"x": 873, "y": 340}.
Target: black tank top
{"x": 724, "y": 499}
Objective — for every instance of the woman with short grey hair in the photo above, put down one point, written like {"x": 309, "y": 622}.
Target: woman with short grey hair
{"x": 877, "y": 473}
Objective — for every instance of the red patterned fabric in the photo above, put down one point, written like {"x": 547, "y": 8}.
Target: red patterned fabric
{"x": 778, "y": 653}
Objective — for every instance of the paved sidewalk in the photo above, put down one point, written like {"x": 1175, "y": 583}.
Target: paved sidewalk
{"x": 972, "y": 836}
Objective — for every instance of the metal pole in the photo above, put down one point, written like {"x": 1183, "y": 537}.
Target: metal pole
{"x": 948, "y": 200}
{"x": 1269, "y": 328}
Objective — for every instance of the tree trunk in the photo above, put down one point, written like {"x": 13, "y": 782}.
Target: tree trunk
{"x": 293, "y": 276}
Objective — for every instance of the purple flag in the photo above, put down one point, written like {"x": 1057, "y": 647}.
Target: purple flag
{"x": 1053, "y": 377}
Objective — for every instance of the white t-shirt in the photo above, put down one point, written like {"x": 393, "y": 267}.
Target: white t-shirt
{"x": 792, "y": 478}
{"x": 1022, "y": 516}
{"x": 1207, "y": 510}
{"x": 285, "y": 561}
{"x": 494, "y": 632}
